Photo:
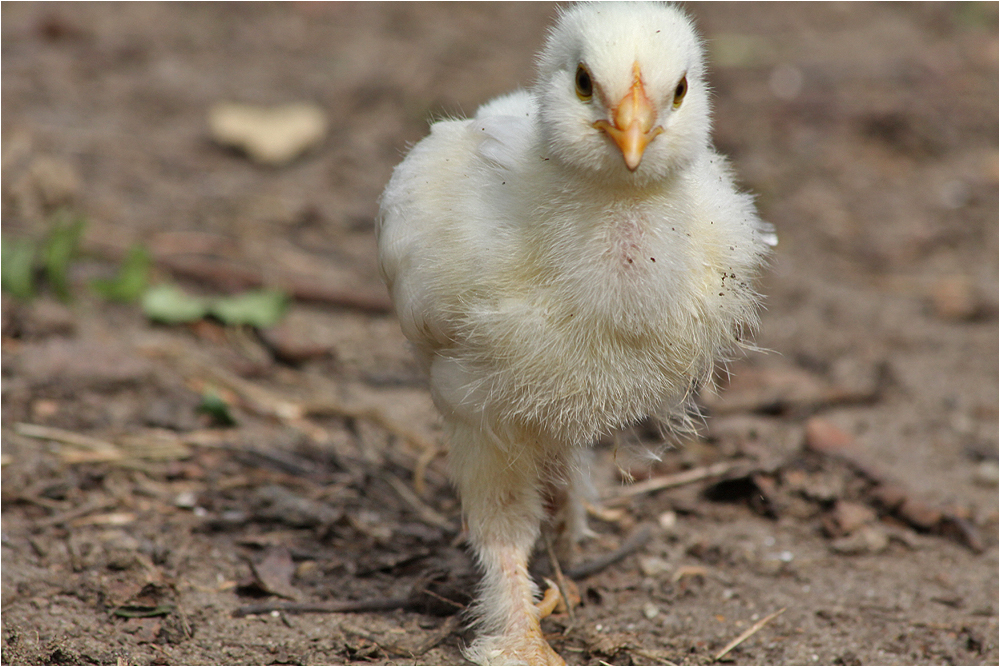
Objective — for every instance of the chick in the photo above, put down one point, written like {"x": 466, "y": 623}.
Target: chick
{"x": 572, "y": 259}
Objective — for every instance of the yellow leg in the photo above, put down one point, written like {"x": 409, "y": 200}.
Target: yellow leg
{"x": 502, "y": 502}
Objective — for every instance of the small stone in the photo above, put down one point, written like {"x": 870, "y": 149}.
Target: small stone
{"x": 650, "y": 611}
{"x": 955, "y": 298}
{"x": 293, "y": 343}
{"x": 847, "y": 517}
{"x": 868, "y": 540}
{"x": 824, "y": 437}
{"x": 986, "y": 474}
{"x": 306, "y": 569}
{"x": 889, "y": 496}
{"x": 44, "y": 408}
{"x": 122, "y": 552}
{"x": 823, "y": 486}
{"x": 186, "y": 499}
{"x": 653, "y": 566}
{"x": 920, "y": 514}
{"x": 668, "y": 520}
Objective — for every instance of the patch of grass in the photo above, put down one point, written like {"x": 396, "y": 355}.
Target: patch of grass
{"x": 132, "y": 280}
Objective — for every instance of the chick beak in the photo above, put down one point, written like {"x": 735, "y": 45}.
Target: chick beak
{"x": 633, "y": 119}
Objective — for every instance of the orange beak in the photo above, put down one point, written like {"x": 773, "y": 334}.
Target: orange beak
{"x": 633, "y": 118}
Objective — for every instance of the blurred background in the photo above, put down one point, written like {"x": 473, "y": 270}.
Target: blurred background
{"x": 207, "y": 402}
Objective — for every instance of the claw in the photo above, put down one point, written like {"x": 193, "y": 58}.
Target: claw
{"x": 549, "y": 601}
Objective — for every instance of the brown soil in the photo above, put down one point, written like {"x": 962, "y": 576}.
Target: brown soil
{"x": 855, "y": 465}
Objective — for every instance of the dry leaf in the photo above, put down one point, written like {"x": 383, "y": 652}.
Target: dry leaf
{"x": 272, "y": 136}
{"x": 274, "y": 572}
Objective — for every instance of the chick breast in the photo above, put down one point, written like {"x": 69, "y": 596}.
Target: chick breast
{"x": 543, "y": 304}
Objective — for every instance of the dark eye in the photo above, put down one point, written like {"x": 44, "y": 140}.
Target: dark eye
{"x": 584, "y": 85}
{"x": 680, "y": 91}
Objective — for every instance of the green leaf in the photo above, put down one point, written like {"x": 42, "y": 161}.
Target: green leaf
{"x": 60, "y": 249}
{"x": 261, "y": 308}
{"x": 215, "y": 406}
{"x": 17, "y": 267}
{"x": 132, "y": 279}
{"x": 171, "y": 305}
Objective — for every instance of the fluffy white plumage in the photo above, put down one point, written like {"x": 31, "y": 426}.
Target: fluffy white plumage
{"x": 572, "y": 259}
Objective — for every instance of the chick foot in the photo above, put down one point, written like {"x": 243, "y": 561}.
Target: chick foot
{"x": 527, "y": 648}
{"x": 522, "y": 646}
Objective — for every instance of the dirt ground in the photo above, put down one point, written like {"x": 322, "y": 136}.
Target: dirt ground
{"x": 847, "y": 477}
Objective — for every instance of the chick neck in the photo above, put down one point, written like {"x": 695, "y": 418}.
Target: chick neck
{"x": 619, "y": 182}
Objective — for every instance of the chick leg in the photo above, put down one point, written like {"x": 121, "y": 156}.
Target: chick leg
{"x": 502, "y": 503}
{"x": 566, "y": 487}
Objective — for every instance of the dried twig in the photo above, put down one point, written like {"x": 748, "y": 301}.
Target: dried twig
{"x": 382, "y": 644}
{"x": 447, "y": 628}
{"x": 338, "y": 607}
{"x": 671, "y": 481}
{"x": 634, "y": 542}
{"x": 76, "y": 513}
{"x": 156, "y": 445}
{"x": 658, "y": 657}
{"x": 426, "y": 513}
{"x": 457, "y": 606}
{"x": 746, "y": 634}
{"x": 65, "y": 437}
{"x": 422, "y": 598}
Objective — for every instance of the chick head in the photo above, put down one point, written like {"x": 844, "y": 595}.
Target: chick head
{"x": 621, "y": 91}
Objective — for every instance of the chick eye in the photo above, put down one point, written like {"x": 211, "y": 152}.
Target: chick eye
{"x": 680, "y": 91}
{"x": 584, "y": 84}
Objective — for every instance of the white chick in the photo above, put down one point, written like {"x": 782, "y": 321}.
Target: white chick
{"x": 571, "y": 260}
